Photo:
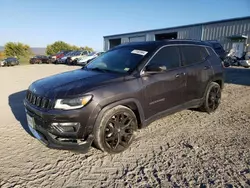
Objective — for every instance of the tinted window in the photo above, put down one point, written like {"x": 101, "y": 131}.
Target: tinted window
{"x": 204, "y": 53}
{"x": 211, "y": 52}
{"x": 216, "y": 46}
{"x": 193, "y": 54}
{"x": 167, "y": 56}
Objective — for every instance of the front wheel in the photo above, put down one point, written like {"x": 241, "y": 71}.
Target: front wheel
{"x": 212, "y": 98}
{"x": 115, "y": 131}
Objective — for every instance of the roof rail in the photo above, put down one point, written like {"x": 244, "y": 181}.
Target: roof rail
{"x": 185, "y": 40}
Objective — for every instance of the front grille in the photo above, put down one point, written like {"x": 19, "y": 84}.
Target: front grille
{"x": 39, "y": 101}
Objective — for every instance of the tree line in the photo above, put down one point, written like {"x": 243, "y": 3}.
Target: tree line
{"x": 17, "y": 49}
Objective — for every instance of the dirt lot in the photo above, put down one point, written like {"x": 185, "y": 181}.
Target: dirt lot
{"x": 187, "y": 149}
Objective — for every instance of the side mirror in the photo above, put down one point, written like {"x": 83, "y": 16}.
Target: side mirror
{"x": 155, "y": 68}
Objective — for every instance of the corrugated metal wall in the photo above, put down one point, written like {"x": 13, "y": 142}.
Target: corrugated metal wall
{"x": 137, "y": 39}
{"x": 182, "y": 33}
{"x": 214, "y": 31}
{"x": 220, "y": 31}
{"x": 194, "y": 32}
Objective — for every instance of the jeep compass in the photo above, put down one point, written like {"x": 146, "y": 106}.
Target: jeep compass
{"x": 124, "y": 89}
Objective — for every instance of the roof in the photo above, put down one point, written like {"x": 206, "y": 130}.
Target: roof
{"x": 178, "y": 27}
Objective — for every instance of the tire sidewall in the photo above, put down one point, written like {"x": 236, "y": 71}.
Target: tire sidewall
{"x": 205, "y": 105}
{"x": 100, "y": 126}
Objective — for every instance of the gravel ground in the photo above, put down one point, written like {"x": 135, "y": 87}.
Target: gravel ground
{"x": 187, "y": 149}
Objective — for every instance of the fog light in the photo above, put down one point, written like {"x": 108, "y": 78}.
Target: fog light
{"x": 66, "y": 126}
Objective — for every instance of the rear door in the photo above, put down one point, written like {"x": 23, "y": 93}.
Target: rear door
{"x": 198, "y": 70}
{"x": 164, "y": 90}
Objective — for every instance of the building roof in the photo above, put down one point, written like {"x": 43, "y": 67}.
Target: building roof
{"x": 177, "y": 27}
{"x": 161, "y": 43}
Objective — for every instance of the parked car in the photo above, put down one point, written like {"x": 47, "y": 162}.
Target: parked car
{"x": 63, "y": 59}
{"x": 86, "y": 59}
{"x": 74, "y": 57}
{"x": 218, "y": 48}
{"x": 39, "y": 59}
{"x": 10, "y": 61}
{"x": 59, "y": 55}
{"x": 123, "y": 90}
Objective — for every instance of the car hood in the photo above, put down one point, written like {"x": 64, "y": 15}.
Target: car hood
{"x": 72, "y": 83}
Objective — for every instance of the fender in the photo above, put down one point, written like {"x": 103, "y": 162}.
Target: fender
{"x": 122, "y": 102}
{"x": 213, "y": 79}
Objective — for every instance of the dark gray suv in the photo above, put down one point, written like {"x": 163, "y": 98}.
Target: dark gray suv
{"x": 123, "y": 90}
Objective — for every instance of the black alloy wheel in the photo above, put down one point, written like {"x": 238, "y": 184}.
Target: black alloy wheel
{"x": 115, "y": 131}
{"x": 119, "y": 131}
{"x": 214, "y": 98}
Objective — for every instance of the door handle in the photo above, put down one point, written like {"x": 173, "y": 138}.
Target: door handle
{"x": 206, "y": 67}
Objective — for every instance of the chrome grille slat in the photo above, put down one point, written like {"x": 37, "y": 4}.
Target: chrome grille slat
{"x": 39, "y": 101}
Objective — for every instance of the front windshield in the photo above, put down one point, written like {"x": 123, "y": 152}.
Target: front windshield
{"x": 121, "y": 60}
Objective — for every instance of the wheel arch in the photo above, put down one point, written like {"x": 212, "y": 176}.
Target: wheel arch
{"x": 217, "y": 80}
{"x": 130, "y": 103}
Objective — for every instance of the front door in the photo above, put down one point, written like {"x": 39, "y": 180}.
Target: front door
{"x": 164, "y": 90}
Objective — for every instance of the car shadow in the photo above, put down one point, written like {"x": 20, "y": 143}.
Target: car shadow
{"x": 17, "y": 108}
{"x": 240, "y": 76}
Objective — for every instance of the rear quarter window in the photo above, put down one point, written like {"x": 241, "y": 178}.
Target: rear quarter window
{"x": 212, "y": 52}
{"x": 193, "y": 54}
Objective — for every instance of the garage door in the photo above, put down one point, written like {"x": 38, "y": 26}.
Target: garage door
{"x": 137, "y": 39}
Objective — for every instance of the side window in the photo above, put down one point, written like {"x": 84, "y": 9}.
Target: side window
{"x": 211, "y": 52}
{"x": 204, "y": 53}
{"x": 192, "y": 54}
{"x": 217, "y": 46}
{"x": 167, "y": 56}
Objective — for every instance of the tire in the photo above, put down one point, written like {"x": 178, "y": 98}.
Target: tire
{"x": 111, "y": 131}
{"x": 212, "y": 98}
{"x": 226, "y": 64}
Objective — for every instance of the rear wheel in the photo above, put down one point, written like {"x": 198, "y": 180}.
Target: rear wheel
{"x": 212, "y": 98}
{"x": 115, "y": 132}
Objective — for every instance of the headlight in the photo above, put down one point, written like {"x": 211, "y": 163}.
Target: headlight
{"x": 70, "y": 104}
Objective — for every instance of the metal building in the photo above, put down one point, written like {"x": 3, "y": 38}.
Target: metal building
{"x": 226, "y": 32}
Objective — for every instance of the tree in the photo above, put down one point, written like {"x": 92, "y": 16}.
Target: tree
{"x": 2, "y": 55}
{"x": 57, "y": 47}
{"x": 87, "y": 48}
{"x": 16, "y": 49}
{"x": 60, "y": 45}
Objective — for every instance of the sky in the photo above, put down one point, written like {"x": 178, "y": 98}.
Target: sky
{"x": 84, "y": 23}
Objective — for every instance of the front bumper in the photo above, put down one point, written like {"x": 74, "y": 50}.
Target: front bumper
{"x": 79, "y": 141}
